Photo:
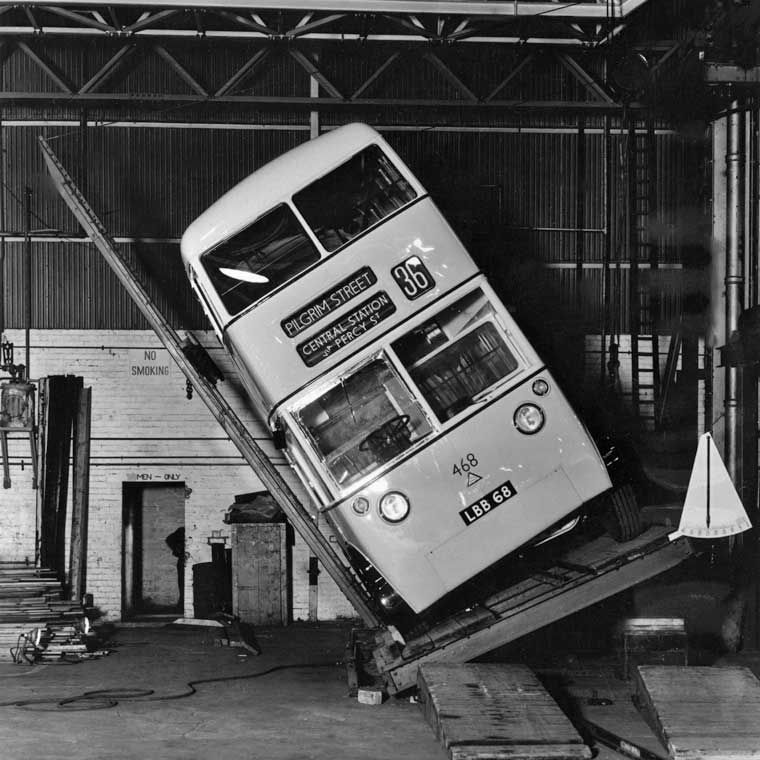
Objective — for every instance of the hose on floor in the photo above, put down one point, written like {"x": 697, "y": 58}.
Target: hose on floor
{"x": 103, "y": 699}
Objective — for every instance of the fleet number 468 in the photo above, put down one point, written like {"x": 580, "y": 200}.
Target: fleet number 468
{"x": 465, "y": 464}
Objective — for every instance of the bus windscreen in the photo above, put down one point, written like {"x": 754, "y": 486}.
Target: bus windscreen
{"x": 260, "y": 258}
{"x": 357, "y": 195}
{"x": 363, "y": 420}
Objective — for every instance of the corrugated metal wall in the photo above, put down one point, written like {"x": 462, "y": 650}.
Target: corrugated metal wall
{"x": 507, "y": 181}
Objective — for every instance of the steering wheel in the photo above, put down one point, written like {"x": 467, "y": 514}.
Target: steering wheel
{"x": 386, "y": 434}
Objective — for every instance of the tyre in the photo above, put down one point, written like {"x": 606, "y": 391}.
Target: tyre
{"x": 623, "y": 518}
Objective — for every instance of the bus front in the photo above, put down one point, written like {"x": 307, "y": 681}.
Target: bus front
{"x": 413, "y": 408}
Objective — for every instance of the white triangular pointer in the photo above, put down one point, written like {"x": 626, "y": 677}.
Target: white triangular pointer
{"x": 712, "y": 508}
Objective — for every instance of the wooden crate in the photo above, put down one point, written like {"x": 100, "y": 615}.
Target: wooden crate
{"x": 702, "y": 713}
{"x": 495, "y": 711}
{"x": 653, "y": 641}
{"x": 260, "y": 573}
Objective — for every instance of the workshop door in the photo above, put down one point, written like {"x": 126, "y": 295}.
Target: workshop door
{"x": 260, "y": 573}
{"x": 153, "y": 580}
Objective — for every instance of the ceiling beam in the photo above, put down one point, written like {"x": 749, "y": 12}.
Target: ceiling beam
{"x": 602, "y": 9}
{"x": 536, "y": 22}
{"x": 285, "y": 101}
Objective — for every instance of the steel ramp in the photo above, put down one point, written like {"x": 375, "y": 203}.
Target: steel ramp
{"x": 582, "y": 577}
{"x": 216, "y": 403}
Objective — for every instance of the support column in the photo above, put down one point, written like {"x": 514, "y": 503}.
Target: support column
{"x": 734, "y": 282}
{"x": 715, "y": 422}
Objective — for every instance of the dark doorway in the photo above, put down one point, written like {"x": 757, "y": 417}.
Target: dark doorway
{"x": 152, "y": 574}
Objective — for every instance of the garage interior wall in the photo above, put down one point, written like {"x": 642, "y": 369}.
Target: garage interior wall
{"x": 539, "y": 198}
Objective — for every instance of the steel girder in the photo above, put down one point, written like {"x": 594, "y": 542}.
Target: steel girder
{"x": 447, "y": 21}
{"x": 123, "y": 71}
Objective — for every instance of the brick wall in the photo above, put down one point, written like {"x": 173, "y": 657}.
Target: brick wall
{"x": 145, "y": 430}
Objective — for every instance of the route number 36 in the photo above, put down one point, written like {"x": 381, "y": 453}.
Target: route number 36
{"x": 412, "y": 277}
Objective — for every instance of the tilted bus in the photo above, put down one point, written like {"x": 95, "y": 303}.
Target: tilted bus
{"x": 427, "y": 429}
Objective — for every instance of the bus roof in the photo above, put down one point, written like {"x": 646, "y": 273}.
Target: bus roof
{"x": 274, "y": 183}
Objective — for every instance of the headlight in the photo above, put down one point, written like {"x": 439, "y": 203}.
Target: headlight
{"x": 394, "y": 507}
{"x": 529, "y": 419}
{"x": 540, "y": 387}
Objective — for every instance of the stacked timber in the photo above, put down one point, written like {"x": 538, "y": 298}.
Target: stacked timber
{"x": 30, "y": 598}
{"x": 61, "y": 641}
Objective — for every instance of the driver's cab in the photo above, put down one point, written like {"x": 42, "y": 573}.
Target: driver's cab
{"x": 361, "y": 420}
{"x": 364, "y": 416}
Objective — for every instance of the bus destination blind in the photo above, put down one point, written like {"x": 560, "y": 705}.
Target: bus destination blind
{"x": 328, "y": 302}
{"x": 348, "y": 328}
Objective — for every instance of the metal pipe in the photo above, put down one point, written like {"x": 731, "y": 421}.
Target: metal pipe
{"x": 632, "y": 213}
{"x": 28, "y": 277}
{"x": 734, "y": 281}
{"x": 2, "y": 227}
{"x": 607, "y": 200}
{"x": 580, "y": 211}
{"x": 750, "y": 160}
{"x": 754, "y": 289}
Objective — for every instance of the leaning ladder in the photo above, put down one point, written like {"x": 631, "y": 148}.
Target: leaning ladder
{"x": 217, "y": 404}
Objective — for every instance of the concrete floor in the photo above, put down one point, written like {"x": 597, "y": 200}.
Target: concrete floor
{"x": 291, "y": 702}
{"x": 299, "y": 710}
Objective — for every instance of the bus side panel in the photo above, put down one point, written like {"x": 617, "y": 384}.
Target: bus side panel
{"x": 271, "y": 357}
{"x": 477, "y": 494}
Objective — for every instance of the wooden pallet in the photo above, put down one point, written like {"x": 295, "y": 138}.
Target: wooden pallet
{"x": 495, "y": 712}
{"x": 702, "y": 713}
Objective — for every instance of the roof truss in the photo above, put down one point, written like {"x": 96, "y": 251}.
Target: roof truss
{"x": 453, "y": 81}
{"x": 446, "y": 21}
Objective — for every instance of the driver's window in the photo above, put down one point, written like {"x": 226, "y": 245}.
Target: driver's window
{"x": 363, "y": 421}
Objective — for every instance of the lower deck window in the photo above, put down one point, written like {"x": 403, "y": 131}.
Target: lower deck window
{"x": 363, "y": 421}
{"x": 457, "y": 355}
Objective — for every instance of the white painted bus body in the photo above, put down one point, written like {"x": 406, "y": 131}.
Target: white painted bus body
{"x": 477, "y": 487}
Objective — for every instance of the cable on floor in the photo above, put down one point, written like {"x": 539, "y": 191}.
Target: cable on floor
{"x": 103, "y": 699}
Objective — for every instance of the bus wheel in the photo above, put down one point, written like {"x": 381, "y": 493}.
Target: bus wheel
{"x": 623, "y": 518}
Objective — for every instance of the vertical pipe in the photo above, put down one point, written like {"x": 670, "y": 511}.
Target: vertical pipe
{"x": 634, "y": 315}
{"x": 28, "y": 275}
{"x": 749, "y": 212}
{"x": 754, "y": 290}
{"x": 83, "y": 152}
{"x": 654, "y": 240}
{"x": 607, "y": 169}
{"x": 734, "y": 280}
{"x": 580, "y": 211}
{"x": 2, "y": 229}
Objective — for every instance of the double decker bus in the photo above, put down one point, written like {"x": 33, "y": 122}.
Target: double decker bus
{"x": 423, "y": 423}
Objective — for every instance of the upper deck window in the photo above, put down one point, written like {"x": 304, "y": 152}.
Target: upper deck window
{"x": 267, "y": 253}
{"x": 458, "y": 355}
{"x": 350, "y": 199}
